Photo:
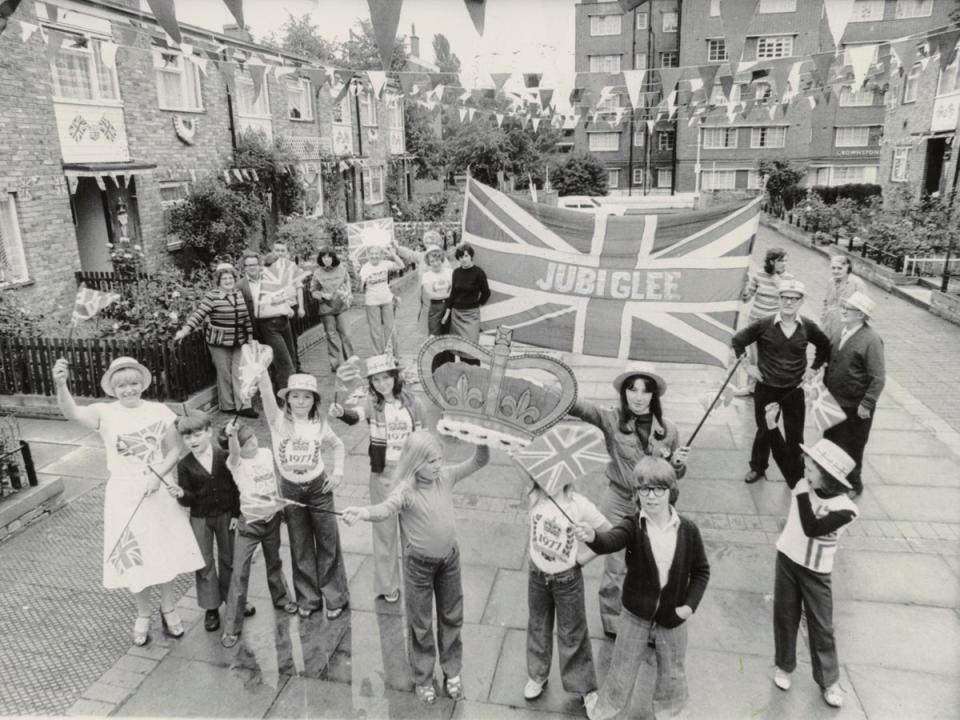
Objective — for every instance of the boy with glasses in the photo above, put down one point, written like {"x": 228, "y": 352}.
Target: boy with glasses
{"x": 781, "y": 341}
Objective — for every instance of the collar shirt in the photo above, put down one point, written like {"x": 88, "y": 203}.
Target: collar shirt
{"x": 779, "y": 321}
{"x": 663, "y": 542}
{"x": 847, "y": 333}
{"x": 205, "y": 459}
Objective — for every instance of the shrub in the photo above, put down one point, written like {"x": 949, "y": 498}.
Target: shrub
{"x": 781, "y": 177}
{"x": 156, "y": 307}
{"x": 860, "y": 193}
{"x": 302, "y": 235}
{"x": 15, "y": 319}
{"x": 580, "y": 174}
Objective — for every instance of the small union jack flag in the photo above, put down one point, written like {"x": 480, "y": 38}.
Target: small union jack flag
{"x": 563, "y": 455}
{"x": 89, "y": 302}
{"x": 144, "y": 444}
{"x": 822, "y": 405}
{"x": 127, "y": 553}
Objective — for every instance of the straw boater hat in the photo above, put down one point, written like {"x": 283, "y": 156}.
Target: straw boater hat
{"x": 861, "y": 302}
{"x": 381, "y": 363}
{"x": 300, "y": 381}
{"x": 793, "y": 286}
{"x": 123, "y": 363}
{"x": 224, "y": 267}
{"x": 832, "y": 459}
{"x": 641, "y": 368}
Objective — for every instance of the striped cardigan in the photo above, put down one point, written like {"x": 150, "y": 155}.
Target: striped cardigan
{"x": 227, "y": 320}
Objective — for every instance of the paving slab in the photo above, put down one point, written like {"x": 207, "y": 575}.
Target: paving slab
{"x": 472, "y": 710}
{"x": 912, "y": 470}
{"x": 334, "y": 701}
{"x": 56, "y": 431}
{"x": 182, "y": 688}
{"x": 921, "y": 639}
{"x": 733, "y": 621}
{"x": 927, "y": 504}
{"x": 482, "y": 647}
{"x": 724, "y": 496}
{"x": 899, "y": 442}
{"x": 372, "y": 653}
{"x": 748, "y": 568}
{"x": 889, "y": 577}
{"x": 896, "y": 694}
{"x": 82, "y": 462}
{"x": 497, "y": 544}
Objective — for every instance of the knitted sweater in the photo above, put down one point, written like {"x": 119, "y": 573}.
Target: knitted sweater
{"x": 783, "y": 360}
{"x": 642, "y": 594}
{"x": 227, "y": 319}
{"x": 376, "y": 418}
{"x": 856, "y": 373}
{"x": 208, "y": 493}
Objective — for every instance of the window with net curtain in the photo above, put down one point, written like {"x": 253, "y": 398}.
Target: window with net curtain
{"x": 79, "y": 73}
{"x": 178, "y": 81}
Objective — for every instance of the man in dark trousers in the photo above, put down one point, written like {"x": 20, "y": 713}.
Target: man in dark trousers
{"x": 271, "y": 318}
{"x": 781, "y": 341}
{"x": 855, "y": 377}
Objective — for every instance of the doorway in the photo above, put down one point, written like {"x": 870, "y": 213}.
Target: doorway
{"x": 98, "y": 221}
{"x": 933, "y": 165}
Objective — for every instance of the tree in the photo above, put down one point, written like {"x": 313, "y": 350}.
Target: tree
{"x": 300, "y": 36}
{"x": 360, "y": 52}
{"x": 421, "y": 133}
{"x": 446, "y": 61}
{"x": 580, "y": 174}
{"x": 780, "y": 177}
{"x": 481, "y": 149}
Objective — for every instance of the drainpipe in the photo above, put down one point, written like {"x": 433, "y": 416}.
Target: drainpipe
{"x": 233, "y": 127}
{"x": 676, "y": 135}
{"x": 633, "y": 110}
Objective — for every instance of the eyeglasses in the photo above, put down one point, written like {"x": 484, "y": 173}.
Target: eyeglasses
{"x": 651, "y": 491}
{"x": 791, "y": 298}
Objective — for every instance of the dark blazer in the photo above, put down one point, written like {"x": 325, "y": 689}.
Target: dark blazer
{"x": 642, "y": 594}
{"x": 208, "y": 493}
{"x": 243, "y": 285}
{"x": 856, "y": 373}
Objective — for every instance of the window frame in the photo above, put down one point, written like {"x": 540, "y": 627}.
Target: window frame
{"x": 606, "y": 31}
{"x": 717, "y": 57}
{"x": 184, "y": 66}
{"x": 900, "y": 10}
{"x": 641, "y": 172}
{"x": 605, "y": 135}
{"x": 852, "y": 98}
{"x": 873, "y": 5}
{"x": 642, "y": 19}
{"x": 661, "y": 172}
{"x": 368, "y": 183}
{"x": 306, "y": 93}
{"x": 247, "y": 82}
{"x": 759, "y": 137}
{"x": 666, "y": 140}
{"x": 605, "y": 58}
{"x": 902, "y": 161}
{"x": 773, "y": 53}
{"x": 672, "y": 28}
{"x": 728, "y": 132}
{"x": 640, "y": 132}
{"x": 94, "y": 63}
{"x": 705, "y": 185}
{"x": 714, "y": 8}
{"x": 911, "y": 84}
{"x": 856, "y": 144}
{"x": 674, "y": 54}
{"x": 613, "y": 172}
{"x": 775, "y": 10}
{"x": 368, "y": 108}
{"x": 12, "y": 247}
{"x": 952, "y": 70}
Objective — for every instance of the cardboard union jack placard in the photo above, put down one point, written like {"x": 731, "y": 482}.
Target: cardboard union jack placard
{"x": 563, "y": 455}
{"x": 822, "y": 405}
{"x": 361, "y": 236}
{"x": 664, "y": 288}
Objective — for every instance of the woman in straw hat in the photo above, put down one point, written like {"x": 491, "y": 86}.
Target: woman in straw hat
{"x": 227, "y": 327}
{"x": 299, "y": 432}
{"x": 147, "y": 536}
{"x": 633, "y": 429}
{"x": 820, "y": 510}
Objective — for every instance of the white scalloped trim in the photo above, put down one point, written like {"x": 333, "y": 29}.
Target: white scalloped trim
{"x": 479, "y": 435}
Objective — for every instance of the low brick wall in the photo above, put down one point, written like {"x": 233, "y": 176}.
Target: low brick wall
{"x": 945, "y": 306}
{"x": 28, "y": 506}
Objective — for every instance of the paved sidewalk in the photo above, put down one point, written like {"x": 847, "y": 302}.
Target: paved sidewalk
{"x": 897, "y": 581}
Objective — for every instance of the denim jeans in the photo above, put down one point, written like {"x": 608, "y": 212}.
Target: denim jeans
{"x": 615, "y": 506}
{"x": 315, "y": 546}
{"x": 226, "y": 361}
{"x": 380, "y": 320}
{"x": 424, "y": 579}
{"x": 213, "y": 585}
{"x": 339, "y": 345}
{"x": 561, "y": 595}
{"x": 644, "y": 682}
{"x": 250, "y": 534}
{"x": 795, "y": 585}
{"x": 386, "y": 537}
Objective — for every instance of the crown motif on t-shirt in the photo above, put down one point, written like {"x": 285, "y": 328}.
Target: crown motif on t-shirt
{"x": 508, "y": 400}
{"x": 552, "y": 527}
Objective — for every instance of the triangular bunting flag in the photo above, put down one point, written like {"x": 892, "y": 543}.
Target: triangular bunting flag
{"x": 532, "y": 80}
{"x": 821, "y": 67}
{"x": 735, "y": 16}
{"x": 536, "y": 124}
{"x": 860, "y": 57}
{"x": 476, "y": 10}
{"x": 708, "y": 75}
{"x": 54, "y": 40}
{"x": 668, "y": 79}
{"x": 633, "y": 79}
{"x": 463, "y": 114}
{"x": 377, "y": 79}
{"x": 499, "y": 117}
{"x": 229, "y": 70}
{"x": 166, "y": 14}
{"x": 236, "y": 9}
{"x": 499, "y": 79}
{"x": 946, "y": 44}
{"x": 26, "y": 30}
{"x": 385, "y": 18}
{"x": 838, "y": 14}
{"x": 545, "y": 97}
{"x": 256, "y": 74}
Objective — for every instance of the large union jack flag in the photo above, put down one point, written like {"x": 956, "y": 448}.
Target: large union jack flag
{"x": 563, "y": 455}
{"x": 651, "y": 287}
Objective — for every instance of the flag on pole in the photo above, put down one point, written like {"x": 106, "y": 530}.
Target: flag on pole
{"x": 254, "y": 359}
{"x": 647, "y": 287}
{"x": 281, "y": 280}
{"x": 563, "y": 455}
{"x": 89, "y": 303}
{"x": 822, "y": 405}
{"x": 126, "y": 554}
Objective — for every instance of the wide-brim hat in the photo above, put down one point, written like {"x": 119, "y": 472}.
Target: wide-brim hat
{"x": 300, "y": 381}
{"x": 862, "y": 302}
{"x": 123, "y": 363}
{"x": 792, "y": 286}
{"x": 381, "y": 363}
{"x": 641, "y": 368}
{"x": 432, "y": 238}
{"x": 831, "y": 458}
{"x": 433, "y": 250}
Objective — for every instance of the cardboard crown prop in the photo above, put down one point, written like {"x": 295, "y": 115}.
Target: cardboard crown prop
{"x": 495, "y": 403}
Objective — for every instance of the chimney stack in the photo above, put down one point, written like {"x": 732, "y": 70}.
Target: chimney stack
{"x": 414, "y": 42}
{"x": 238, "y": 33}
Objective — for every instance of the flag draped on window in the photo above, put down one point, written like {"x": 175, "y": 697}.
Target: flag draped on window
{"x": 651, "y": 287}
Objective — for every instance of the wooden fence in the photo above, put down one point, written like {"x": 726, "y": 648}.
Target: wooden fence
{"x": 179, "y": 369}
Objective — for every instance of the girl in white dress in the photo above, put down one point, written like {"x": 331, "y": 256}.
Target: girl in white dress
{"x": 147, "y": 539}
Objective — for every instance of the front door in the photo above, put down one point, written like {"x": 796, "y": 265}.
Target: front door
{"x": 933, "y": 167}
{"x": 99, "y": 222}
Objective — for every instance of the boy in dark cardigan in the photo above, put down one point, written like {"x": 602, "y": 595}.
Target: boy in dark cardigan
{"x": 207, "y": 488}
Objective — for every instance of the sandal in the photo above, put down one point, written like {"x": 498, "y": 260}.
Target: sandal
{"x": 333, "y": 614}
{"x": 141, "y": 631}
{"x": 392, "y": 597}
{"x": 172, "y": 624}
{"x": 228, "y": 640}
{"x": 305, "y": 612}
{"x": 426, "y": 694}
{"x": 454, "y": 686}
{"x": 290, "y": 607}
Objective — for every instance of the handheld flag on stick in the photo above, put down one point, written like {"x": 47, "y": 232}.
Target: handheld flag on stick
{"x": 89, "y": 303}
{"x": 254, "y": 359}
{"x": 822, "y": 405}
{"x": 348, "y": 377}
{"x": 720, "y": 393}
{"x": 279, "y": 503}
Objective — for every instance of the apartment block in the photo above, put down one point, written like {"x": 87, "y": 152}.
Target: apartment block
{"x": 104, "y": 126}
{"x": 639, "y": 158}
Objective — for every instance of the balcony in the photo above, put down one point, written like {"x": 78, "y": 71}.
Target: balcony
{"x": 395, "y": 144}
{"x": 91, "y": 132}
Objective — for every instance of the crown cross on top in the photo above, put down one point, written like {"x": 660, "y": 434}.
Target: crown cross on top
{"x": 497, "y": 403}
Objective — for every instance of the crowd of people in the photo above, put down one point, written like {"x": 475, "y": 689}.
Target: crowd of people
{"x": 230, "y": 495}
